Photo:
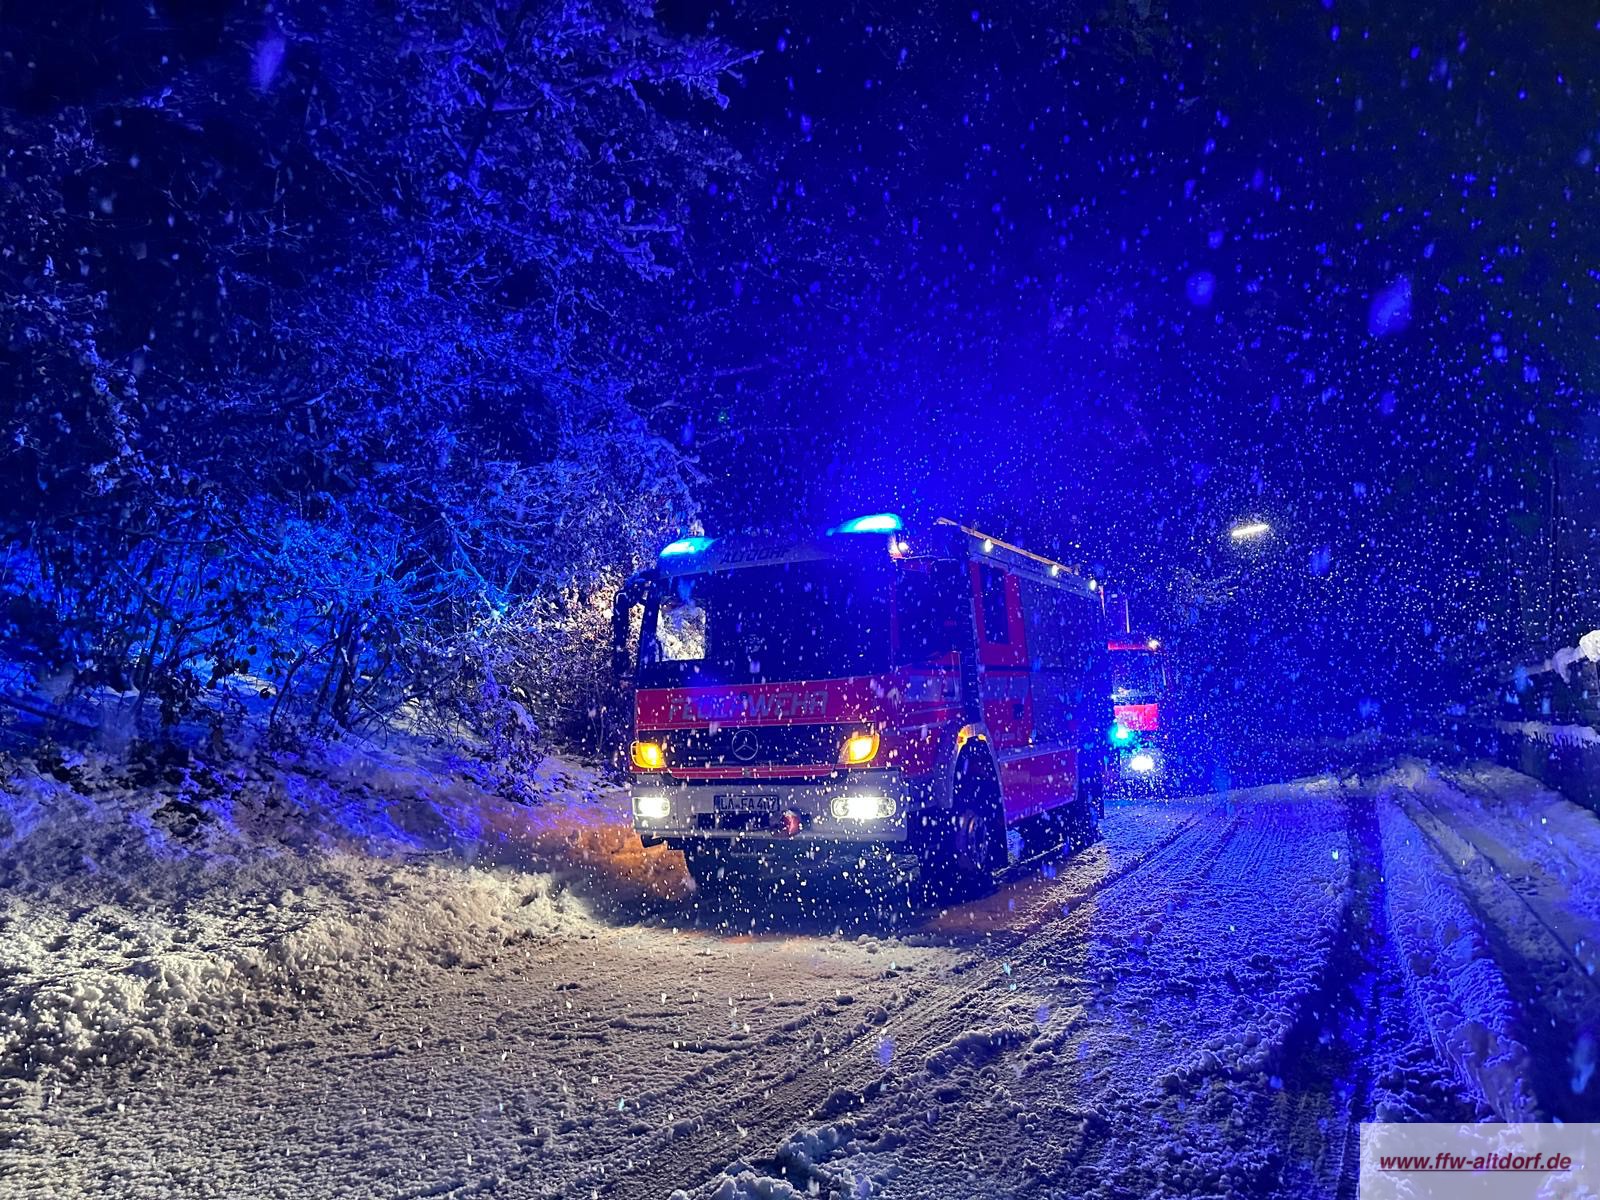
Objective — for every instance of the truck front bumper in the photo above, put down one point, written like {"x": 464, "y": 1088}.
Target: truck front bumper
{"x": 851, "y": 807}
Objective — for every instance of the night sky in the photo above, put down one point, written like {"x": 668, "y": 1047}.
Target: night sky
{"x": 1107, "y": 279}
{"x": 1103, "y": 279}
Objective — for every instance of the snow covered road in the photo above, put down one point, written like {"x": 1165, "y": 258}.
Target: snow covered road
{"x": 1203, "y": 1004}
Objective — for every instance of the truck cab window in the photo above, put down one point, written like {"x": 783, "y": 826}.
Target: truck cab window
{"x": 786, "y": 621}
{"x": 681, "y": 625}
{"x": 996, "y": 620}
{"x": 929, "y": 608}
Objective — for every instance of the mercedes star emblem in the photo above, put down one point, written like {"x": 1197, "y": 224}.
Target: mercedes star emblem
{"x": 745, "y": 744}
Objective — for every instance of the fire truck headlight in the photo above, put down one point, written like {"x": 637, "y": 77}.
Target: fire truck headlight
{"x": 649, "y": 756}
{"x": 1142, "y": 763}
{"x": 652, "y": 808}
{"x": 860, "y": 748}
{"x": 866, "y": 807}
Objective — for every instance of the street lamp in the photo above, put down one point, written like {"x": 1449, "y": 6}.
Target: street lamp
{"x": 1249, "y": 531}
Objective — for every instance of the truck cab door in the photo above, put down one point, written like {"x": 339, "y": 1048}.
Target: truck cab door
{"x": 617, "y": 714}
{"x": 1002, "y": 658}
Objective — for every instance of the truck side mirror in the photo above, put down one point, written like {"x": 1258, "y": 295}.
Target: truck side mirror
{"x": 621, "y": 660}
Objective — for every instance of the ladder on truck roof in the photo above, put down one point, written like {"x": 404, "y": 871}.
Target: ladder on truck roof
{"x": 1034, "y": 566}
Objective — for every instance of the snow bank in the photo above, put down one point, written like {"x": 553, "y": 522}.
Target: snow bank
{"x": 108, "y": 982}
{"x": 1554, "y": 735}
{"x": 1564, "y": 659}
{"x": 137, "y": 913}
{"x": 803, "y": 1157}
{"x": 1568, "y": 834}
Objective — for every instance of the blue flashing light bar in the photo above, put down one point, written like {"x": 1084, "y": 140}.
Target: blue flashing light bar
{"x": 688, "y": 545}
{"x": 873, "y": 523}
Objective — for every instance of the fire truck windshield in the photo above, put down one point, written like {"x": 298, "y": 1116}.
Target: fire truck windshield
{"x": 1136, "y": 673}
{"x": 774, "y": 623}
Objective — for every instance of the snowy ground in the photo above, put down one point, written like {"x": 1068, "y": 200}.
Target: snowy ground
{"x": 365, "y": 979}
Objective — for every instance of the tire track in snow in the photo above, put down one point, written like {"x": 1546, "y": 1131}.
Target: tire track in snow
{"x": 1451, "y": 971}
{"x": 1078, "y": 1106}
{"x": 1540, "y": 967}
{"x": 1442, "y": 833}
{"x": 920, "y": 1031}
{"x": 1574, "y": 931}
{"x": 973, "y": 1021}
{"x": 1331, "y": 1051}
{"x": 1218, "y": 1062}
{"x": 1356, "y": 1050}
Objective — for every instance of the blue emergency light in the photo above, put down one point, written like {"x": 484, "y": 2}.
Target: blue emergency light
{"x": 688, "y": 545}
{"x": 873, "y": 523}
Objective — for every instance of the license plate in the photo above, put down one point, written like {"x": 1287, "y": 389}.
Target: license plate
{"x": 743, "y": 802}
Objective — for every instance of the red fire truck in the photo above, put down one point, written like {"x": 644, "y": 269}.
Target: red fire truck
{"x": 935, "y": 697}
{"x": 1138, "y": 695}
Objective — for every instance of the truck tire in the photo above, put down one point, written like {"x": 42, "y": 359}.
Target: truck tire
{"x": 1080, "y": 821}
{"x": 967, "y": 846}
{"x": 1093, "y": 782}
{"x": 1080, "y": 825}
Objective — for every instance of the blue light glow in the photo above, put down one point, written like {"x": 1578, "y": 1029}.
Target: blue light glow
{"x": 1390, "y": 311}
{"x": 875, "y": 523}
{"x": 688, "y": 545}
{"x": 1121, "y": 734}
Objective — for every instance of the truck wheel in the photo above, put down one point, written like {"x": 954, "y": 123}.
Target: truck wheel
{"x": 1081, "y": 821}
{"x": 1080, "y": 824}
{"x": 961, "y": 859}
{"x": 1094, "y": 771}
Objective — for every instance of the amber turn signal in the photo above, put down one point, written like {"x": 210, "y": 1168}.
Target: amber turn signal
{"x": 860, "y": 748}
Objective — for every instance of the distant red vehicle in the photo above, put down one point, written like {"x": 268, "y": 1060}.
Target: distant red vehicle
{"x": 872, "y": 691}
{"x": 1140, "y": 703}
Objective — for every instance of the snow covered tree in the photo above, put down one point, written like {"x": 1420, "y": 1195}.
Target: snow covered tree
{"x": 363, "y": 261}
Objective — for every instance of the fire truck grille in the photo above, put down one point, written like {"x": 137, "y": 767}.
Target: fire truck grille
{"x": 754, "y": 746}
